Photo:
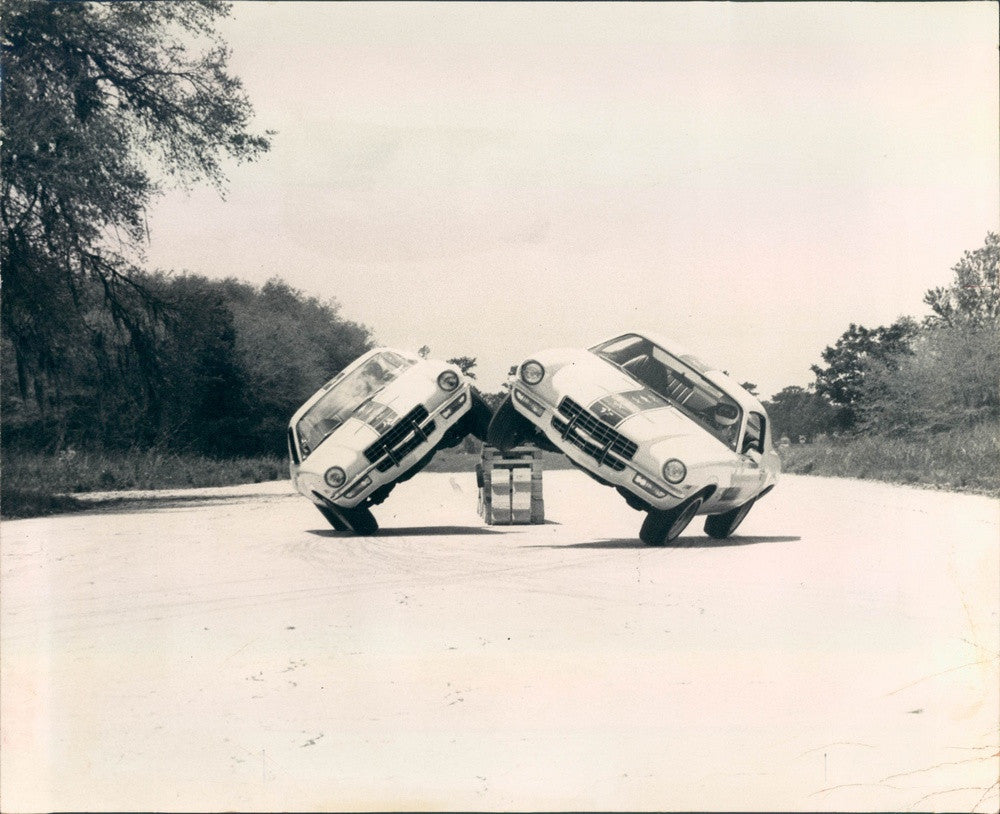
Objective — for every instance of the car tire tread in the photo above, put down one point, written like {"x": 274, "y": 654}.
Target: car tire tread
{"x": 721, "y": 526}
{"x": 358, "y": 520}
{"x": 663, "y": 526}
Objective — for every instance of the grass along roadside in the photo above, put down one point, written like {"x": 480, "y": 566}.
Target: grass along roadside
{"x": 965, "y": 460}
{"x": 33, "y": 485}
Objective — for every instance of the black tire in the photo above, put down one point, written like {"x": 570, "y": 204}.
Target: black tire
{"x": 541, "y": 440}
{"x": 663, "y": 526}
{"x": 478, "y": 418}
{"x": 508, "y": 427}
{"x": 358, "y": 520}
{"x": 332, "y": 519}
{"x": 720, "y": 526}
{"x": 475, "y": 422}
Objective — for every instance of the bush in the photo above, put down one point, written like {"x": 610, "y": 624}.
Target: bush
{"x": 71, "y": 472}
{"x": 950, "y": 381}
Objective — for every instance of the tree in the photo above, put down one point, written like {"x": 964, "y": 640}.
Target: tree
{"x": 850, "y": 359}
{"x": 287, "y": 345}
{"x": 465, "y": 364}
{"x": 973, "y": 299}
{"x": 97, "y": 98}
{"x": 948, "y": 381}
{"x": 796, "y": 411}
{"x": 950, "y": 377}
{"x": 750, "y": 387}
{"x": 234, "y": 362}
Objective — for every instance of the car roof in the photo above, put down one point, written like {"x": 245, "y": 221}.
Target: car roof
{"x": 723, "y": 380}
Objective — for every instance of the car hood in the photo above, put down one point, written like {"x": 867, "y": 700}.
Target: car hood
{"x": 631, "y": 407}
{"x": 343, "y": 447}
{"x": 367, "y": 423}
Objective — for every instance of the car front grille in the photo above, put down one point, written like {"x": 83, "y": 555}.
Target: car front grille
{"x": 605, "y": 444}
{"x": 402, "y": 438}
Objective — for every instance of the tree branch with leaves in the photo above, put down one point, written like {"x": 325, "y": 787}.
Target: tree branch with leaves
{"x": 103, "y": 102}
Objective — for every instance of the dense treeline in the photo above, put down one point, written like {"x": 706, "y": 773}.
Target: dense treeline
{"x": 226, "y": 365}
{"x": 941, "y": 374}
{"x": 103, "y": 104}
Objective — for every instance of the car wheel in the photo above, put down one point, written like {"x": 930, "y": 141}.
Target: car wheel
{"x": 333, "y": 519}
{"x": 663, "y": 526}
{"x": 358, "y": 520}
{"x": 380, "y": 494}
{"x": 720, "y": 526}
{"x": 508, "y": 427}
{"x": 475, "y": 422}
{"x": 479, "y": 417}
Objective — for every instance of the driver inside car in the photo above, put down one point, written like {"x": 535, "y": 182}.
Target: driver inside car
{"x": 725, "y": 419}
{"x": 651, "y": 373}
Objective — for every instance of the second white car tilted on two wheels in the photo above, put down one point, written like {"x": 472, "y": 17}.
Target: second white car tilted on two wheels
{"x": 375, "y": 424}
{"x": 675, "y": 437}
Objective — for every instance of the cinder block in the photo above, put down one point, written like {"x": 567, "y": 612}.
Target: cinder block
{"x": 537, "y": 510}
{"x": 510, "y": 486}
{"x": 500, "y": 496}
{"x": 520, "y": 496}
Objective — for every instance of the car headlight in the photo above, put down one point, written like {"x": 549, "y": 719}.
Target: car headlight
{"x": 448, "y": 380}
{"x": 335, "y": 477}
{"x": 674, "y": 471}
{"x": 532, "y": 372}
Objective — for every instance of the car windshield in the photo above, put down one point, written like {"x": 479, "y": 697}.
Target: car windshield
{"x": 346, "y": 395}
{"x": 678, "y": 380}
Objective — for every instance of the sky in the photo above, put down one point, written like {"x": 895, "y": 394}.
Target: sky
{"x": 492, "y": 179}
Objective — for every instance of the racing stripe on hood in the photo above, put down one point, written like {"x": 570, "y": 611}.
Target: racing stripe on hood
{"x": 614, "y": 409}
{"x": 377, "y": 416}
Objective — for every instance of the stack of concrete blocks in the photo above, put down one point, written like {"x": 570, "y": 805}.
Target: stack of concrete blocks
{"x": 510, "y": 486}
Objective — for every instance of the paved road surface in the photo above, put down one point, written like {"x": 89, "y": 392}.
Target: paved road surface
{"x": 227, "y": 650}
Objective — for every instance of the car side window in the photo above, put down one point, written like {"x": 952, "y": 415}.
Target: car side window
{"x": 754, "y": 438}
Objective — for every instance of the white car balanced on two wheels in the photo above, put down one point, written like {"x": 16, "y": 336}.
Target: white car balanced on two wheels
{"x": 674, "y": 436}
{"x": 376, "y": 424}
